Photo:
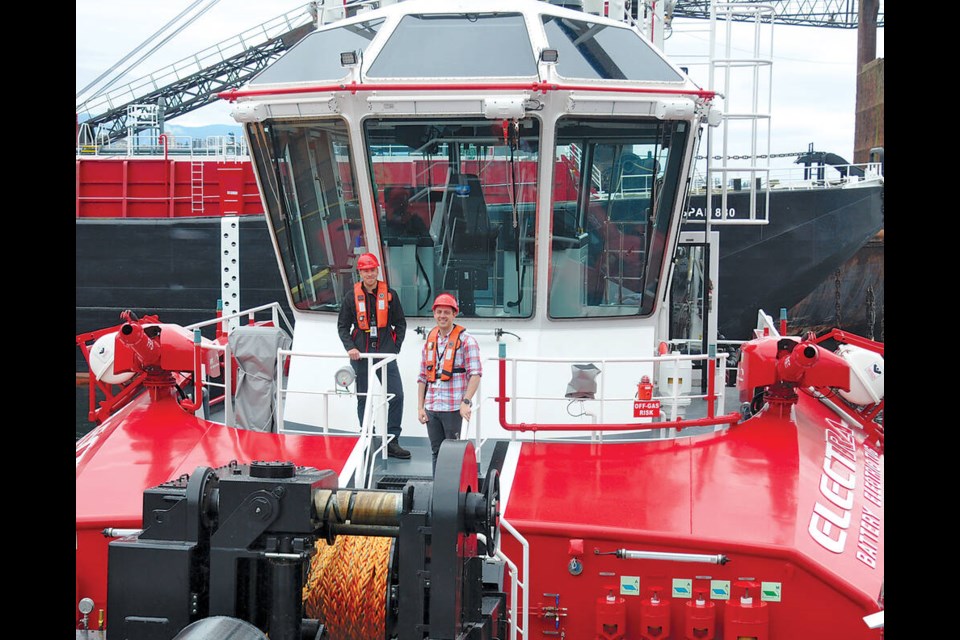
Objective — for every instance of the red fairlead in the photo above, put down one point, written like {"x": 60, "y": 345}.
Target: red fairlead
{"x": 611, "y": 616}
{"x": 700, "y": 617}
{"x": 745, "y": 616}
{"x": 655, "y": 616}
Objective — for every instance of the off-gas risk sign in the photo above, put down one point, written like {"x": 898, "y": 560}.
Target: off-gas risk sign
{"x": 646, "y": 408}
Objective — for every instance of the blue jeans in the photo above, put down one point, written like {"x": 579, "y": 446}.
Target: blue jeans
{"x": 394, "y": 386}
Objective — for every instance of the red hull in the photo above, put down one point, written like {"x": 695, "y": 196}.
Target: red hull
{"x": 749, "y": 493}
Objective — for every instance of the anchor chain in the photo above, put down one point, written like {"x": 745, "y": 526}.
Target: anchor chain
{"x": 837, "y": 281}
{"x": 871, "y": 311}
{"x": 749, "y": 157}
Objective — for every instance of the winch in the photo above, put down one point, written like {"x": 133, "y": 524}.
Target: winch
{"x": 272, "y": 549}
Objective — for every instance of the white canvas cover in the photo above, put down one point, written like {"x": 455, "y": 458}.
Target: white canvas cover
{"x": 255, "y": 349}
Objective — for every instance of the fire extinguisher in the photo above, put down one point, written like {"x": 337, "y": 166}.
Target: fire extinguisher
{"x": 700, "y": 617}
{"x": 645, "y": 389}
{"x": 611, "y": 616}
{"x": 745, "y": 617}
{"x": 655, "y": 617}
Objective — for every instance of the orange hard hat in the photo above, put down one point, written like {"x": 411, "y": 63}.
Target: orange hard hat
{"x": 446, "y": 300}
{"x": 367, "y": 261}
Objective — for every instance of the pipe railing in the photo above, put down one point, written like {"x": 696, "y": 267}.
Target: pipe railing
{"x": 516, "y": 583}
{"x": 712, "y": 399}
{"x": 276, "y": 317}
{"x": 377, "y": 402}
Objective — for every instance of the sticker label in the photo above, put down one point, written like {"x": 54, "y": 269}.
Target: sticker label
{"x": 682, "y": 588}
{"x": 646, "y": 408}
{"x": 770, "y": 591}
{"x": 630, "y": 585}
{"x": 719, "y": 589}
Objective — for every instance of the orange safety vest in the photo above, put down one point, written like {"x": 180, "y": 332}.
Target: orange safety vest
{"x": 383, "y": 300}
{"x": 453, "y": 343}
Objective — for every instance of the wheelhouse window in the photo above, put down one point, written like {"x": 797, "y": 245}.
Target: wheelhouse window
{"x": 317, "y": 56}
{"x": 464, "y": 45}
{"x": 604, "y": 52}
{"x": 457, "y": 204}
{"x": 308, "y": 184}
{"x": 615, "y": 183}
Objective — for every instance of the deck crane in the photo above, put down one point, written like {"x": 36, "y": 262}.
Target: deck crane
{"x": 195, "y": 81}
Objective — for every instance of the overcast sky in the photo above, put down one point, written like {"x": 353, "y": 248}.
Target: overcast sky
{"x": 813, "y": 71}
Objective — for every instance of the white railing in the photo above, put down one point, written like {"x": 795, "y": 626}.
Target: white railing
{"x": 676, "y": 397}
{"x": 276, "y": 317}
{"x": 377, "y": 403}
{"x": 515, "y": 582}
{"x": 802, "y": 177}
{"x": 223, "y": 148}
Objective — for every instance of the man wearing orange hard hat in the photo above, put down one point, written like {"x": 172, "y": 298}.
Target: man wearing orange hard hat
{"x": 372, "y": 321}
{"x": 450, "y": 371}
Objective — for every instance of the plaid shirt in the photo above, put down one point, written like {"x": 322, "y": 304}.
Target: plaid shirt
{"x": 445, "y": 395}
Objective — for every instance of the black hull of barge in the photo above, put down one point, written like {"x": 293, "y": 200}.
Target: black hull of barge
{"x": 169, "y": 267}
{"x": 813, "y": 234}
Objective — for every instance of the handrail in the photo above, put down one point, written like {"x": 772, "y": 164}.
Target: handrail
{"x": 377, "y": 402}
{"x": 211, "y": 147}
{"x": 277, "y": 314}
{"x": 232, "y": 95}
{"x": 515, "y": 583}
{"x": 197, "y": 401}
{"x": 711, "y": 397}
{"x": 377, "y": 362}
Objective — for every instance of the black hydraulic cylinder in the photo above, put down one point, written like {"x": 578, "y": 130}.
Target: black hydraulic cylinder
{"x": 285, "y": 610}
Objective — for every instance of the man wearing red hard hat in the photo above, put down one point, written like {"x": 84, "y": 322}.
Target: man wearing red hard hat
{"x": 372, "y": 321}
{"x": 450, "y": 371}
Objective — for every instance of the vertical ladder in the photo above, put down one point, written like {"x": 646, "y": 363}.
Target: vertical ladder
{"x": 196, "y": 187}
{"x": 737, "y": 63}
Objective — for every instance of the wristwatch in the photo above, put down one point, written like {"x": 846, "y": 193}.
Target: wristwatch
{"x": 466, "y": 401}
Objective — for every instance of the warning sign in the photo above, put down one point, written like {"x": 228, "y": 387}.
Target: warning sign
{"x": 646, "y": 408}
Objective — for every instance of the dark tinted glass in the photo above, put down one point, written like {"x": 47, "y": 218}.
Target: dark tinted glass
{"x": 589, "y": 50}
{"x": 448, "y": 46}
{"x": 317, "y": 56}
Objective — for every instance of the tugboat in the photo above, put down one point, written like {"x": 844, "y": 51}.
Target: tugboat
{"x": 229, "y": 488}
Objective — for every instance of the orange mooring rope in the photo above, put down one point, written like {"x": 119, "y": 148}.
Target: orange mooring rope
{"x": 346, "y": 589}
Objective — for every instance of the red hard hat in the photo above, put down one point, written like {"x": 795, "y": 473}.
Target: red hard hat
{"x": 446, "y": 300}
{"x": 367, "y": 261}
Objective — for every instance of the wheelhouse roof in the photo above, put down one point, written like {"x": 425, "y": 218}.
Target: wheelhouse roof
{"x": 441, "y": 41}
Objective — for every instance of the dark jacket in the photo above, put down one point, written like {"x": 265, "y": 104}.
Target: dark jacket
{"x": 389, "y": 339}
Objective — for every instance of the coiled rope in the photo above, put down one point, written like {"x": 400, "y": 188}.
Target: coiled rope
{"x": 346, "y": 589}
